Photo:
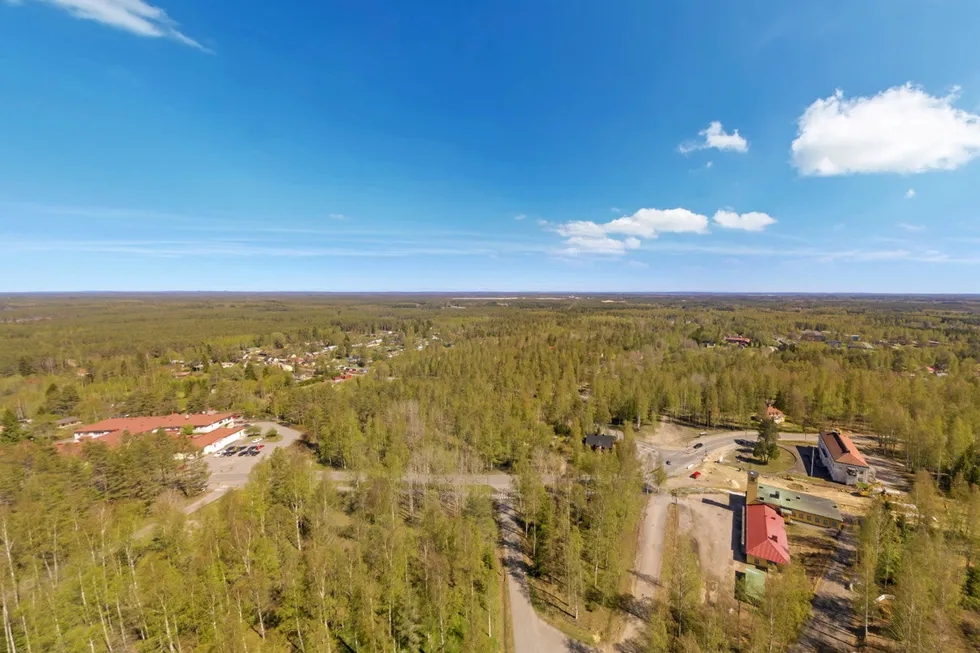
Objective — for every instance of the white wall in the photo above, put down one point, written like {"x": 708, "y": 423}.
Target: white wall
{"x": 217, "y": 425}
{"x": 222, "y": 443}
{"x": 838, "y": 471}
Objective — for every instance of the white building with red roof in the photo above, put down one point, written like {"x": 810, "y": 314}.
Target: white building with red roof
{"x": 845, "y": 463}
{"x": 210, "y": 432}
{"x": 775, "y": 414}
{"x": 199, "y": 423}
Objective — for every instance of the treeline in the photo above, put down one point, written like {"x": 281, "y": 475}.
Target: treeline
{"x": 286, "y": 564}
{"x": 575, "y": 530}
{"x": 917, "y": 567}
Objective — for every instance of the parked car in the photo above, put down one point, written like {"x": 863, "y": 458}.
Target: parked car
{"x": 243, "y": 452}
{"x": 699, "y": 445}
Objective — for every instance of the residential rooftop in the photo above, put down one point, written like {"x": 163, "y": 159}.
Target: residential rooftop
{"x": 842, "y": 449}
{"x": 799, "y": 502}
{"x": 765, "y": 534}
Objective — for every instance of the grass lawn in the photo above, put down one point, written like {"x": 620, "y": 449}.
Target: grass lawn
{"x": 784, "y": 461}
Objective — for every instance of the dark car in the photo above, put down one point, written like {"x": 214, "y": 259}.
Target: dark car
{"x": 699, "y": 445}
{"x": 243, "y": 452}
{"x": 667, "y": 462}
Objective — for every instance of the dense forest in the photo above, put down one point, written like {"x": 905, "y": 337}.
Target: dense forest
{"x": 99, "y": 557}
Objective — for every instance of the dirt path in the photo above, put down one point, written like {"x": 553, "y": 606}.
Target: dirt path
{"x": 645, "y": 572}
{"x": 832, "y": 627}
{"x": 531, "y": 633}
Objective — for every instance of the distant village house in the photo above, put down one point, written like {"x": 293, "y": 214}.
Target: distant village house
{"x": 775, "y": 414}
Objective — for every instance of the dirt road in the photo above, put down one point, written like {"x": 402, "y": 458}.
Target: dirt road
{"x": 645, "y": 572}
{"x": 531, "y": 633}
{"x": 832, "y": 627}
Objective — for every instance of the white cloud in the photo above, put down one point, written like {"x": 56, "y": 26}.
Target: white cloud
{"x": 577, "y": 245}
{"x": 649, "y": 223}
{"x": 520, "y": 217}
{"x": 910, "y": 193}
{"x": 752, "y": 221}
{"x": 628, "y": 232}
{"x": 709, "y": 164}
{"x": 914, "y": 228}
{"x": 902, "y": 129}
{"x": 134, "y": 16}
{"x": 615, "y": 209}
{"x": 716, "y": 137}
{"x": 339, "y": 216}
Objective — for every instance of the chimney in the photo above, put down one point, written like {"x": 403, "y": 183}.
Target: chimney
{"x": 752, "y": 489}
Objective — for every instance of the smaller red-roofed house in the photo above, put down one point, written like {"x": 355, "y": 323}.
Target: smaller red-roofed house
{"x": 845, "y": 463}
{"x": 775, "y": 414}
{"x": 764, "y": 537}
{"x": 738, "y": 341}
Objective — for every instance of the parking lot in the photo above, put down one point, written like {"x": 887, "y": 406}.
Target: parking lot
{"x": 228, "y": 472}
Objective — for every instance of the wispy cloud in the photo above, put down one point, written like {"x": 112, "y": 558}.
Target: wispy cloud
{"x": 910, "y": 193}
{"x": 914, "y": 228}
{"x": 339, "y": 216}
{"x": 192, "y": 248}
{"x": 828, "y": 255}
{"x": 133, "y": 16}
{"x": 715, "y": 137}
{"x": 520, "y": 217}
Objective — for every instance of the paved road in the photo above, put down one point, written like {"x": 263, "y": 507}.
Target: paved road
{"x": 677, "y": 462}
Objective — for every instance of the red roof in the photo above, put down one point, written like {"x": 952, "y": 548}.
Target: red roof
{"x": 765, "y": 534}
{"x": 841, "y": 449}
{"x": 772, "y": 411}
{"x": 738, "y": 340}
{"x": 175, "y": 421}
{"x": 114, "y": 438}
{"x": 207, "y": 439}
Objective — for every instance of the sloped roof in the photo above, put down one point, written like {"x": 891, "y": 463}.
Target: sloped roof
{"x": 841, "y": 449}
{"x": 765, "y": 534}
{"x": 772, "y": 411}
{"x": 799, "y": 502}
{"x": 601, "y": 441}
{"x": 146, "y": 424}
{"x": 207, "y": 439}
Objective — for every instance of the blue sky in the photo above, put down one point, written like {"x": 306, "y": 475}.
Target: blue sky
{"x": 509, "y": 145}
